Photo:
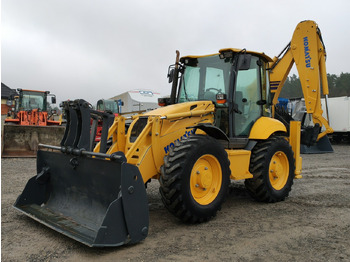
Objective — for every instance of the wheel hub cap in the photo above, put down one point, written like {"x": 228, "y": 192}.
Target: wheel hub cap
{"x": 206, "y": 179}
{"x": 279, "y": 170}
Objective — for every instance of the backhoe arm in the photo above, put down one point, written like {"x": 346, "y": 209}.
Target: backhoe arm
{"x": 308, "y": 52}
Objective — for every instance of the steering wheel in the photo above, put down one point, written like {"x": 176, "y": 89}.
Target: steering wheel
{"x": 212, "y": 88}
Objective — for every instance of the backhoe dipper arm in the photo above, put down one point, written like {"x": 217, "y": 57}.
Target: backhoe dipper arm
{"x": 308, "y": 52}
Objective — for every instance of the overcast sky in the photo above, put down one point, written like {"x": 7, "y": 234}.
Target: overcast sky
{"x": 99, "y": 49}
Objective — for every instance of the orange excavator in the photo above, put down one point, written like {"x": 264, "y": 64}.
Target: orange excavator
{"x": 29, "y": 122}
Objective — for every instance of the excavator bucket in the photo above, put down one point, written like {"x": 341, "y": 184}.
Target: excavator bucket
{"x": 94, "y": 198}
{"x": 22, "y": 141}
{"x": 321, "y": 146}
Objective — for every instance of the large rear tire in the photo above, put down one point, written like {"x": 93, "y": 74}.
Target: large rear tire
{"x": 195, "y": 178}
{"x": 272, "y": 165}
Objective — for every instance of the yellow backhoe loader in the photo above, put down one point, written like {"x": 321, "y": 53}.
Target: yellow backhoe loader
{"x": 218, "y": 125}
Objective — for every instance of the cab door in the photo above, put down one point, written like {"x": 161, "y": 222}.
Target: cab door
{"x": 248, "y": 98}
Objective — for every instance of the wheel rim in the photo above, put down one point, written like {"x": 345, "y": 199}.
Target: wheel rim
{"x": 279, "y": 170}
{"x": 206, "y": 179}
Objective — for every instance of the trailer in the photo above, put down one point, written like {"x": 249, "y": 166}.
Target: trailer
{"x": 138, "y": 101}
{"x": 339, "y": 117}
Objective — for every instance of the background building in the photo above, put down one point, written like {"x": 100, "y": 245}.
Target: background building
{"x": 6, "y": 94}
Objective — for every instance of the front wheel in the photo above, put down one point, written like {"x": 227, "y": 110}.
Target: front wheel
{"x": 195, "y": 178}
{"x": 272, "y": 165}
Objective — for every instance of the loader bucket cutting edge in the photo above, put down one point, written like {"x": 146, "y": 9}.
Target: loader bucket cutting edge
{"x": 94, "y": 201}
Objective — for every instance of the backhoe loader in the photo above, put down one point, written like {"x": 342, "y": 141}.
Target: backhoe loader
{"x": 218, "y": 125}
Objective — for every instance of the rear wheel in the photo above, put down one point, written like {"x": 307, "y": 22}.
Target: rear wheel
{"x": 195, "y": 178}
{"x": 272, "y": 166}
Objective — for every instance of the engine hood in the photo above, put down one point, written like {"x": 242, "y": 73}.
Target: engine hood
{"x": 182, "y": 107}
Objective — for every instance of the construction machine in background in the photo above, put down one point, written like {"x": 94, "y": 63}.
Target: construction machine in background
{"x": 110, "y": 106}
{"x": 217, "y": 126}
{"x": 30, "y": 122}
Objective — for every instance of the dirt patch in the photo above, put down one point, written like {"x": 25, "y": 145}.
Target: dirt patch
{"x": 313, "y": 224}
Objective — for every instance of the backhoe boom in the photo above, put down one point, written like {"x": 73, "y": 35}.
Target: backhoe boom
{"x": 308, "y": 53}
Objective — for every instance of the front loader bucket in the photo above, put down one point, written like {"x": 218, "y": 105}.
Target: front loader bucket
{"x": 22, "y": 141}
{"x": 98, "y": 202}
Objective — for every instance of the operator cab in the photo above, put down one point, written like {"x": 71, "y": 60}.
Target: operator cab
{"x": 29, "y": 100}
{"x": 108, "y": 106}
{"x": 236, "y": 81}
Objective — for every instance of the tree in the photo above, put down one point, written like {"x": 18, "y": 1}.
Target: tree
{"x": 342, "y": 85}
{"x": 292, "y": 88}
{"x": 338, "y": 86}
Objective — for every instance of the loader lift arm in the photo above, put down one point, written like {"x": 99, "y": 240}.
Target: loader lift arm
{"x": 307, "y": 51}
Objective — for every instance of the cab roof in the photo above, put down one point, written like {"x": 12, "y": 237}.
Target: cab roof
{"x": 235, "y": 50}
{"x": 35, "y": 91}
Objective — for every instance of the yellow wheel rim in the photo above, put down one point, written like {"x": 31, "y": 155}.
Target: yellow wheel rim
{"x": 279, "y": 170}
{"x": 206, "y": 179}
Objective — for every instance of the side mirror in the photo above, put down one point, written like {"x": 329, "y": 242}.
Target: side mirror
{"x": 53, "y": 100}
{"x": 171, "y": 73}
{"x": 244, "y": 61}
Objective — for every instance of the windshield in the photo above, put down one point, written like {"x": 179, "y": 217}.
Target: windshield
{"x": 203, "y": 78}
{"x": 33, "y": 100}
{"x": 108, "y": 105}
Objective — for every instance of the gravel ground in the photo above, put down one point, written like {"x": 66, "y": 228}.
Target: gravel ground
{"x": 313, "y": 224}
